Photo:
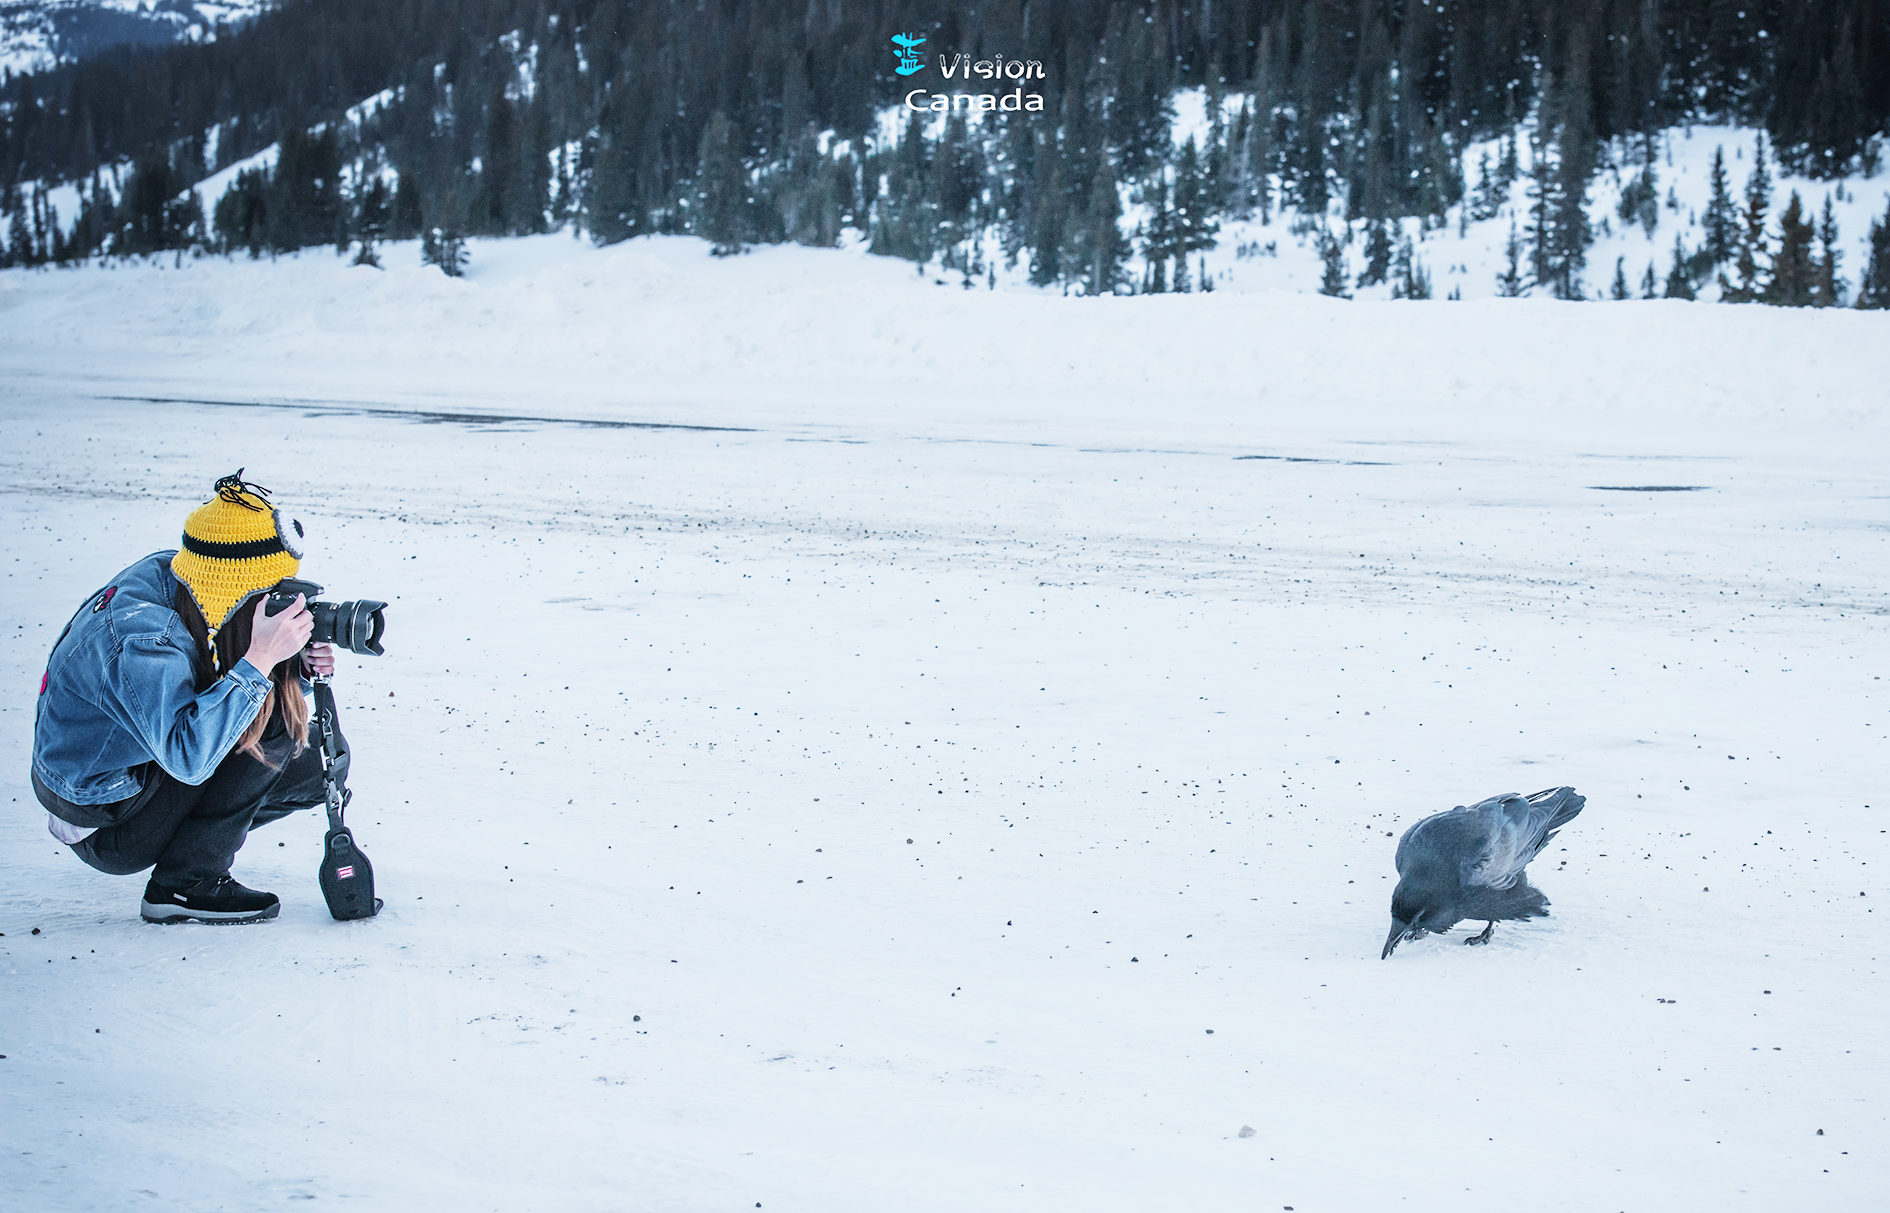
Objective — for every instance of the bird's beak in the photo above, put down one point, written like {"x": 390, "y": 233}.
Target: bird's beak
{"x": 1398, "y": 930}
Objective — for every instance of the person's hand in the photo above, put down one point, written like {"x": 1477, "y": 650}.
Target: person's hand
{"x": 319, "y": 661}
{"x": 276, "y": 638}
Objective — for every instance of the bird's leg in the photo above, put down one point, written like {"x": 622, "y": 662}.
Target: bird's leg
{"x": 1483, "y": 936}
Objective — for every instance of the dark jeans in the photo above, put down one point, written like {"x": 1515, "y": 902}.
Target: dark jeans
{"x": 190, "y": 833}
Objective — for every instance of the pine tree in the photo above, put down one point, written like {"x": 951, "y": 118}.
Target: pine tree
{"x": 59, "y": 250}
{"x": 1793, "y": 280}
{"x": 241, "y": 216}
{"x": 1680, "y": 277}
{"x": 1575, "y": 165}
{"x": 1159, "y": 236}
{"x": 1640, "y": 200}
{"x": 305, "y": 205}
{"x": 1831, "y": 287}
{"x": 1332, "y": 257}
{"x": 1507, "y": 170}
{"x": 1562, "y": 163}
{"x": 613, "y": 205}
{"x": 190, "y": 222}
{"x": 19, "y": 239}
{"x": 1542, "y": 211}
{"x": 1509, "y": 284}
{"x": 1377, "y": 253}
{"x": 41, "y": 245}
{"x": 720, "y": 211}
{"x": 902, "y": 217}
{"x": 1873, "y": 286}
{"x": 1650, "y": 283}
{"x": 1721, "y": 220}
{"x": 1618, "y": 290}
{"x": 371, "y": 210}
{"x": 956, "y": 183}
{"x": 404, "y": 220}
{"x": 1196, "y": 229}
{"x": 1559, "y": 227}
{"x": 1752, "y": 243}
{"x": 1414, "y": 282}
{"x": 1491, "y": 192}
{"x": 152, "y": 217}
{"x": 1759, "y": 184}
{"x": 1048, "y": 216}
{"x": 1107, "y": 250}
{"x": 445, "y": 248}
{"x": 1401, "y": 262}
{"x": 1310, "y": 183}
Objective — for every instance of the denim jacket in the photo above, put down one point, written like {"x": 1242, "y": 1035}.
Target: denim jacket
{"x": 121, "y": 691}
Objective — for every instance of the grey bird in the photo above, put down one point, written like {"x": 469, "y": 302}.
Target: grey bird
{"x": 1468, "y": 863}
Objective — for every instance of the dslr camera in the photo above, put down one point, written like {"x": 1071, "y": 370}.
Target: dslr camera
{"x": 347, "y": 878}
{"x": 354, "y": 626}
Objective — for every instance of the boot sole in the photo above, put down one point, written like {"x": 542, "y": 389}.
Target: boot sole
{"x": 164, "y": 914}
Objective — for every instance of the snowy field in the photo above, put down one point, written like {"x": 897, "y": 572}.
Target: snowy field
{"x": 967, "y": 779}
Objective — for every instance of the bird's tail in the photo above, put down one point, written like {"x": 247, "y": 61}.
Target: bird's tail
{"x": 1563, "y": 803}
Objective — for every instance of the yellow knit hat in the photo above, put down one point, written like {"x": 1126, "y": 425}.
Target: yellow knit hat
{"x": 234, "y": 545}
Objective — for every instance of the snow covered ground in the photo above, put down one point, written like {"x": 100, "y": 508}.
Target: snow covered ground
{"x": 968, "y": 778}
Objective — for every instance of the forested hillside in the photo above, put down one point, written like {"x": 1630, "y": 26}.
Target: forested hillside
{"x": 746, "y": 122}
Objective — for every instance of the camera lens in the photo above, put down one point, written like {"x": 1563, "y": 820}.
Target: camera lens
{"x": 354, "y": 626}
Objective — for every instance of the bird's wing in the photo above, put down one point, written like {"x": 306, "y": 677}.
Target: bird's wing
{"x": 1439, "y": 841}
{"x": 1405, "y": 845}
{"x": 1517, "y": 828}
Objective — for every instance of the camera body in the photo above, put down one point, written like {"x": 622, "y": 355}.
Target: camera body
{"x": 354, "y": 626}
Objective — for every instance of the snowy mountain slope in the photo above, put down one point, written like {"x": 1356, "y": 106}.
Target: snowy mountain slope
{"x": 35, "y": 34}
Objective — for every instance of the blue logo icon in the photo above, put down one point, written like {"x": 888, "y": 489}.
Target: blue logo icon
{"x": 908, "y": 53}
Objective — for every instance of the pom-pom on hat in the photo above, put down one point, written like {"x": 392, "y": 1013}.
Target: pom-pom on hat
{"x": 235, "y": 544}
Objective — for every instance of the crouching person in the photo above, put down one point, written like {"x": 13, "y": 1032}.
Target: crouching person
{"x": 173, "y": 716}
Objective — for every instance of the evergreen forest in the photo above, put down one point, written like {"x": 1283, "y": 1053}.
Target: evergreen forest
{"x": 746, "y": 122}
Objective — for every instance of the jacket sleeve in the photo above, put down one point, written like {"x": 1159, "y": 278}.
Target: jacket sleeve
{"x": 187, "y": 733}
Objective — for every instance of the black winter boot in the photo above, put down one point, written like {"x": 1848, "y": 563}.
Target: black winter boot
{"x": 215, "y": 899}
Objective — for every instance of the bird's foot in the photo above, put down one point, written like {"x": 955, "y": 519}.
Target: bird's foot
{"x": 1481, "y": 937}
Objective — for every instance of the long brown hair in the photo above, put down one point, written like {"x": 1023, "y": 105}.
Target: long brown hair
{"x": 232, "y": 642}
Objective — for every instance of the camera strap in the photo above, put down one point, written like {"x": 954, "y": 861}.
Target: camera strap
{"x": 347, "y": 878}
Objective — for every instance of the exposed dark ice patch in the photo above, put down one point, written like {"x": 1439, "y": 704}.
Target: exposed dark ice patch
{"x": 1355, "y": 463}
{"x": 425, "y": 417}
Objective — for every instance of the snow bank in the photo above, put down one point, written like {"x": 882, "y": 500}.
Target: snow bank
{"x": 655, "y": 326}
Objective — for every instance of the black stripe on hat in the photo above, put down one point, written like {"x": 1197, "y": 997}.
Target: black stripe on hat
{"x": 233, "y": 551}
